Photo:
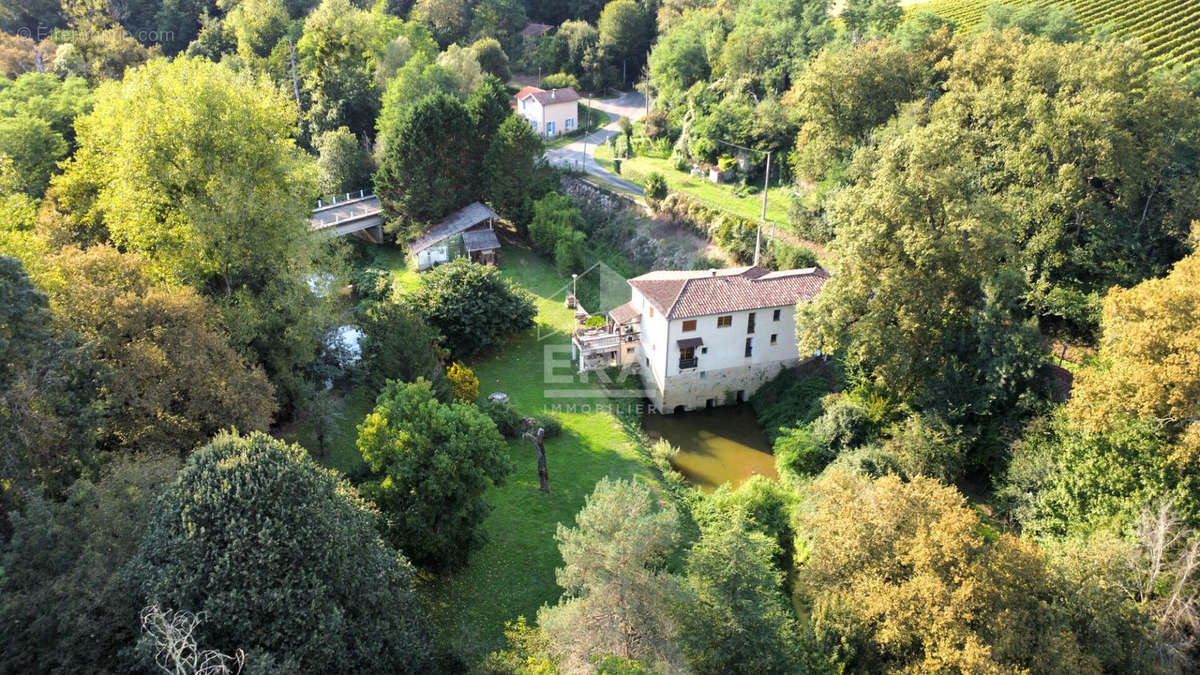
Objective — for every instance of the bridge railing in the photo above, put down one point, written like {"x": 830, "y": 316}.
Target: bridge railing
{"x": 334, "y": 200}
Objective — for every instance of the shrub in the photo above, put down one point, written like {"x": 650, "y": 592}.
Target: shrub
{"x": 506, "y": 417}
{"x": 399, "y": 345}
{"x": 473, "y": 306}
{"x": 787, "y": 401}
{"x": 372, "y": 284}
{"x": 595, "y": 322}
{"x": 799, "y": 454}
{"x": 550, "y": 424}
{"x": 789, "y": 257}
{"x": 464, "y": 386}
{"x": 656, "y": 187}
{"x": 846, "y": 423}
{"x": 560, "y": 81}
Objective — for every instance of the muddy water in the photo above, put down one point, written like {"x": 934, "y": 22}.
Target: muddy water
{"x": 715, "y": 446}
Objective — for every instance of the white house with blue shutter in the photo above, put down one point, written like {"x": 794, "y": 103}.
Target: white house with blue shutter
{"x": 550, "y": 113}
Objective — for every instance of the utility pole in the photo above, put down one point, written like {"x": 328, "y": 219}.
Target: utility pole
{"x": 295, "y": 82}
{"x": 587, "y": 129}
{"x": 766, "y": 185}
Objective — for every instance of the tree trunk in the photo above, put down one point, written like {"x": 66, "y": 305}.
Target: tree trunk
{"x": 543, "y": 473}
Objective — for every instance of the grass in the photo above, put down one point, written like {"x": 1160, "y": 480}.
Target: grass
{"x": 592, "y": 119}
{"x": 513, "y": 574}
{"x": 723, "y": 197}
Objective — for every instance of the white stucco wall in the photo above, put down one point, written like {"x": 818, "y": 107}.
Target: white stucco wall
{"x": 559, "y": 113}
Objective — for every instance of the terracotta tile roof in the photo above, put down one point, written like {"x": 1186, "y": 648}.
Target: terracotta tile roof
{"x": 564, "y": 95}
{"x": 459, "y": 221}
{"x": 626, "y": 312}
{"x": 682, "y": 295}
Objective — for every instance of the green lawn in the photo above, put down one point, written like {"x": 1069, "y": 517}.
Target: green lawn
{"x": 720, "y": 196}
{"x": 591, "y": 119}
{"x": 513, "y": 575}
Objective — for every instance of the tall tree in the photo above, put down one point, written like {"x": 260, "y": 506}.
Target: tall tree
{"x": 925, "y": 299}
{"x": 284, "y": 559}
{"x": 194, "y": 166}
{"x": 433, "y": 462}
{"x": 342, "y": 165}
{"x": 904, "y": 576}
{"x": 616, "y": 598}
{"x": 1149, "y": 361}
{"x": 426, "y": 171}
{"x": 175, "y": 381}
{"x": 734, "y": 618}
{"x": 66, "y": 602}
{"x": 513, "y": 175}
{"x": 338, "y": 49}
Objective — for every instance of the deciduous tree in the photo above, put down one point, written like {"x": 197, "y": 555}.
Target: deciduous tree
{"x": 473, "y": 306}
{"x": 432, "y": 462}
{"x": 513, "y": 176}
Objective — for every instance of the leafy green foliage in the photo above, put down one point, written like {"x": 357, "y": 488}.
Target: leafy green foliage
{"x": 513, "y": 175}
{"x": 798, "y": 453}
{"x": 787, "y": 400}
{"x": 472, "y": 306}
{"x": 655, "y": 186}
{"x": 399, "y": 345}
{"x": 426, "y": 171}
{"x": 616, "y": 597}
{"x": 433, "y": 461}
{"x": 284, "y": 559}
{"x": 66, "y": 602}
{"x": 734, "y": 618}
{"x": 49, "y": 392}
{"x": 342, "y": 165}
{"x": 174, "y": 379}
{"x": 492, "y": 58}
{"x": 903, "y": 575}
{"x": 223, "y": 207}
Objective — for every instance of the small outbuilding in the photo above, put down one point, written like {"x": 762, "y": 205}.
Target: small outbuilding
{"x": 470, "y": 231}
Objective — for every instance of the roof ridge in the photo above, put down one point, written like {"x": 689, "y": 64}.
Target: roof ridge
{"x": 682, "y": 287}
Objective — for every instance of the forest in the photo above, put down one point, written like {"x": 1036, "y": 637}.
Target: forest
{"x": 993, "y": 465}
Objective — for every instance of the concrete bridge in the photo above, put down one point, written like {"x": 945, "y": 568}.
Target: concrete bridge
{"x": 359, "y": 215}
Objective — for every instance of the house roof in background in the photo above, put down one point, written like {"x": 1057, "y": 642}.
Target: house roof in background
{"x": 552, "y": 97}
{"x": 683, "y": 295}
{"x": 534, "y": 29}
{"x": 459, "y": 221}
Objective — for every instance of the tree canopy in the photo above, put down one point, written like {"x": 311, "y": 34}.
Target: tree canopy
{"x": 432, "y": 462}
{"x": 325, "y": 592}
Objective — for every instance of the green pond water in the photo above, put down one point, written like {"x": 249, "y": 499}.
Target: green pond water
{"x": 721, "y": 445}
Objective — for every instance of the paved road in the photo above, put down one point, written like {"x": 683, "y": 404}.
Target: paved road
{"x": 630, "y": 104}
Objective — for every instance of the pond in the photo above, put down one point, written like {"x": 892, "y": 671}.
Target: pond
{"x": 715, "y": 446}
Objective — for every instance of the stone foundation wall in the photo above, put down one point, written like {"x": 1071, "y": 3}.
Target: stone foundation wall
{"x": 692, "y": 390}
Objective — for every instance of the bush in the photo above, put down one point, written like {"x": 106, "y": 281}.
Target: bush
{"x": 464, "y": 386}
{"x": 597, "y": 321}
{"x": 560, "y": 81}
{"x": 372, "y": 284}
{"x": 506, "y": 417}
{"x": 799, "y": 454}
{"x": 473, "y": 306}
{"x": 788, "y": 400}
{"x": 656, "y": 187}
{"x": 399, "y": 345}
{"x": 550, "y": 424}
{"x": 789, "y": 257}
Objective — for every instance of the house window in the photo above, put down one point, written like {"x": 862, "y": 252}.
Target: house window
{"x": 725, "y": 321}
{"x": 550, "y": 128}
{"x": 533, "y": 123}
{"x": 524, "y": 105}
{"x": 689, "y": 325}
{"x": 687, "y": 357}
{"x": 775, "y": 317}
{"x": 750, "y": 323}
{"x": 749, "y": 346}
{"x": 774, "y": 338}
{"x": 570, "y": 123}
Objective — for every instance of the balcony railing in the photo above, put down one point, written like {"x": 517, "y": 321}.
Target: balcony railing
{"x": 684, "y": 364}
